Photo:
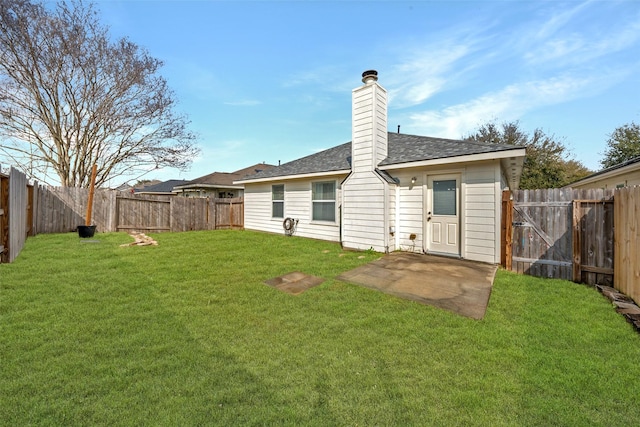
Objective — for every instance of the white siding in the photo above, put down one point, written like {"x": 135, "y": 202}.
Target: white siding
{"x": 480, "y": 213}
{"x": 411, "y": 215}
{"x": 297, "y": 205}
{"x": 369, "y": 129}
{"x": 481, "y": 218}
{"x": 364, "y": 219}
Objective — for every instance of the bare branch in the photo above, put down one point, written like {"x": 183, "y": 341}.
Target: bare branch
{"x": 71, "y": 98}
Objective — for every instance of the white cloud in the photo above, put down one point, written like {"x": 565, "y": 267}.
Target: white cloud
{"x": 430, "y": 69}
{"x": 558, "y": 20}
{"x": 562, "y": 42}
{"x": 507, "y": 104}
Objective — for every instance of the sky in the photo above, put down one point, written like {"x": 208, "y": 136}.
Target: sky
{"x": 271, "y": 81}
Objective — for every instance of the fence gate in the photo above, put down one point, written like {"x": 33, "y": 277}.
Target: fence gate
{"x": 560, "y": 233}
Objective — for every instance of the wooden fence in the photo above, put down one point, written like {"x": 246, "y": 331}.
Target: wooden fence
{"x": 16, "y": 214}
{"x": 118, "y": 211}
{"x": 560, "y": 233}
{"x": 27, "y": 210}
{"x": 627, "y": 241}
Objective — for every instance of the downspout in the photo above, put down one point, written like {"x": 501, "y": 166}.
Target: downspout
{"x": 386, "y": 217}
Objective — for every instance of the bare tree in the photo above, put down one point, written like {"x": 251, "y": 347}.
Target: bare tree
{"x": 70, "y": 98}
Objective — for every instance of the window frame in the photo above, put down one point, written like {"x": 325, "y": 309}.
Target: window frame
{"x": 278, "y": 201}
{"x": 324, "y": 201}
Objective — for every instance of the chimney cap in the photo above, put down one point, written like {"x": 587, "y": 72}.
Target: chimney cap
{"x": 370, "y": 75}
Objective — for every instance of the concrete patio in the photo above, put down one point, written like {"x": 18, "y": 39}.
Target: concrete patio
{"x": 460, "y": 286}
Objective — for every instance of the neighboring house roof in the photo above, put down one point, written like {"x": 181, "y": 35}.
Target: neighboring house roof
{"x": 223, "y": 179}
{"x": 161, "y": 188}
{"x": 402, "y": 149}
{"x": 611, "y": 171}
{"x": 124, "y": 187}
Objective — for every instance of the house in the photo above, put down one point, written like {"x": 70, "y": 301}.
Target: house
{"x": 390, "y": 191}
{"x": 219, "y": 184}
{"x": 625, "y": 174}
{"x": 160, "y": 189}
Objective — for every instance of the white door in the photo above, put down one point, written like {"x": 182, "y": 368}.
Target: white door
{"x": 443, "y": 214}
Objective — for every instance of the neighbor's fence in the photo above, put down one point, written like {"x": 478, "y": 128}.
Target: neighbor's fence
{"x": 118, "y": 211}
{"x": 627, "y": 241}
{"x": 560, "y": 233}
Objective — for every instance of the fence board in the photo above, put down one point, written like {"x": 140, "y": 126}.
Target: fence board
{"x": 18, "y": 193}
{"x": 189, "y": 214}
{"x": 135, "y": 213}
{"x": 563, "y": 233}
{"x": 53, "y": 214}
{"x": 4, "y": 218}
{"x": 627, "y": 240}
{"x": 229, "y": 213}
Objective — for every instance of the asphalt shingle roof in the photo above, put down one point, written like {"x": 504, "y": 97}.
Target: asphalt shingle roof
{"x": 411, "y": 148}
{"x": 163, "y": 187}
{"x": 401, "y": 149}
{"x": 223, "y": 179}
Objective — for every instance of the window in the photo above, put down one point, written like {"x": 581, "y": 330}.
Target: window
{"x": 444, "y": 197}
{"x": 277, "y": 201}
{"x": 323, "y": 196}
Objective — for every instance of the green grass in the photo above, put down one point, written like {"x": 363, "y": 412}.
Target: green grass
{"x": 186, "y": 333}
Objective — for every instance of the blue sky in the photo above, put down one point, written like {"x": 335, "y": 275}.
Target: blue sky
{"x": 271, "y": 80}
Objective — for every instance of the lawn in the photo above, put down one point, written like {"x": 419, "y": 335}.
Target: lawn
{"x": 186, "y": 333}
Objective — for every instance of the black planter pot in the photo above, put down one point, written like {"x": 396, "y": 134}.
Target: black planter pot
{"x": 86, "y": 230}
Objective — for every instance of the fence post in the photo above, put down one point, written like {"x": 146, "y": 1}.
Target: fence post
{"x": 507, "y": 230}
{"x": 576, "y": 244}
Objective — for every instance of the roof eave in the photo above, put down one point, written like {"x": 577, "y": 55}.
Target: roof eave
{"x": 196, "y": 186}
{"x": 614, "y": 171}
{"x": 494, "y": 155}
{"x": 299, "y": 176}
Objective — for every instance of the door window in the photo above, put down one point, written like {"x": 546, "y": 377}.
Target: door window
{"x": 444, "y": 197}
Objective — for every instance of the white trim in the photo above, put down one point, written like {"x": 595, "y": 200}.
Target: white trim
{"x": 427, "y": 201}
{"x": 290, "y": 177}
{"x": 458, "y": 159}
{"x": 463, "y": 210}
{"x": 335, "y": 203}
{"x": 498, "y": 217}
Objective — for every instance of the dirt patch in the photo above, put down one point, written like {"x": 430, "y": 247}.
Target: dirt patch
{"x": 294, "y": 283}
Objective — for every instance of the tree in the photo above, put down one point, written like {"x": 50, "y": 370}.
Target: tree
{"x": 546, "y": 165}
{"x": 623, "y": 145}
{"x": 70, "y": 98}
